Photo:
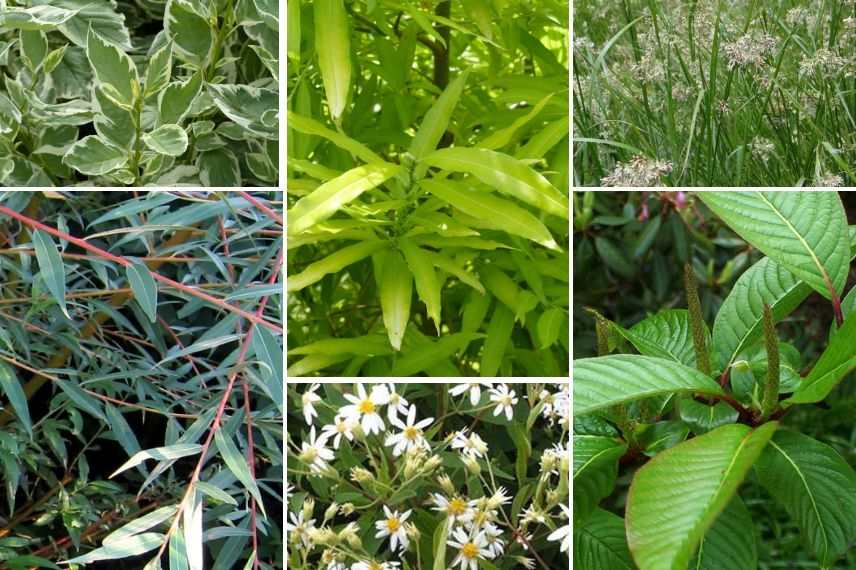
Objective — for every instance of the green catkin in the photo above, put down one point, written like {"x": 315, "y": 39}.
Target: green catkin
{"x": 770, "y": 389}
{"x": 696, "y": 320}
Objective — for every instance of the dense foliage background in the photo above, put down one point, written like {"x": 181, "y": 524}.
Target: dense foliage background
{"x": 139, "y": 92}
{"x": 141, "y": 379}
{"x": 407, "y": 260}
{"x": 630, "y": 248}
{"x": 738, "y": 93}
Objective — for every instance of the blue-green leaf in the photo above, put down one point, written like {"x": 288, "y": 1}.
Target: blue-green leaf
{"x": 145, "y": 289}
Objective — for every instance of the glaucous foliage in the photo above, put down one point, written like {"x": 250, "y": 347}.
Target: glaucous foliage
{"x": 122, "y": 93}
{"x": 141, "y": 379}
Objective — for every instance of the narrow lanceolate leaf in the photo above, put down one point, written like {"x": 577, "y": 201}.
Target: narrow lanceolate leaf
{"x": 170, "y": 140}
{"x": 837, "y": 360}
{"x": 141, "y": 524}
{"x": 504, "y": 173}
{"x": 145, "y": 289}
{"x": 51, "y": 267}
{"x": 816, "y": 486}
{"x": 738, "y": 322}
{"x": 664, "y": 335}
{"x": 730, "y": 543}
{"x": 93, "y": 156}
{"x": 395, "y": 285}
{"x": 123, "y": 548}
{"x": 495, "y": 345}
{"x": 314, "y": 272}
{"x": 11, "y": 388}
{"x": 333, "y": 43}
{"x": 168, "y": 453}
{"x": 549, "y": 326}
{"x": 718, "y": 462}
{"x": 368, "y": 345}
{"x": 427, "y": 284}
{"x": 604, "y": 381}
{"x": 426, "y": 355}
{"x": 237, "y": 464}
{"x": 600, "y": 542}
{"x": 191, "y": 32}
{"x": 326, "y": 200}
{"x": 309, "y": 126}
{"x": 503, "y": 136}
{"x": 804, "y": 231}
{"x": 436, "y": 120}
{"x": 503, "y": 214}
{"x": 113, "y": 68}
{"x": 595, "y": 470}
{"x": 446, "y": 264}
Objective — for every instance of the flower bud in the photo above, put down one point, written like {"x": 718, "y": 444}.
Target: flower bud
{"x": 432, "y": 464}
{"x": 308, "y": 508}
{"x": 412, "y": 532}
{"x": 347, "y": 509}
{"x": 472, "y": 466}
{"x": 349, "y": 534}
{"x": 361, "y": 475}
{"x": 553, "y": 497}
{"x": 331, "y": 511}
{"x": 446, "y": 484}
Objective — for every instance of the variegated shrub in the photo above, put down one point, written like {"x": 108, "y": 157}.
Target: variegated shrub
{"x": 134, "y": 93}
{"x": 427, "y": 184}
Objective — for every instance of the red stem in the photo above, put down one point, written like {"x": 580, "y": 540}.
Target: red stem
{"x": 254, "y": 318}
{"x": 270, "y": 213}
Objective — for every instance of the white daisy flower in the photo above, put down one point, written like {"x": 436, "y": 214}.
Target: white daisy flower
{"x": 314, "y": 453}
{"x": 299, "y": 527}
{"x": 495, "y": 545}
{"x": 470, "y": 549}
{"x": 309, "y": 399}
{"x": 372, "y": 565}
{"x": 474, "y": 388}
{"x": 341, "y": 426}
{"x": 458, "y": 510}
{"x": 397, "y": 403}
{"x": 504, "y": 400}
{"x": 499, "y": 498}
{"x": 393, "y": 527}
{"x": 366, "y": 406}
{"x": 563, "y": 533}
{"x": 472, "y": 445}
{"x": 410, "y": 436}
{"x": 288, "y": 490}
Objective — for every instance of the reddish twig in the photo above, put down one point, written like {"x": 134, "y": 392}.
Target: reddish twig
{"x": 270, "y": 213}
{"x": 254, "y": 318}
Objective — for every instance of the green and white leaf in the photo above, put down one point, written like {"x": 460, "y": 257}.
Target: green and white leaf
{"x": 170, "y": 140}
{"x": 94, "y": 156}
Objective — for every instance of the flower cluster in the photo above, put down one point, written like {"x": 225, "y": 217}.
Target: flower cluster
{"x": 377, "y": 460}
{"x": 638, "y": 172}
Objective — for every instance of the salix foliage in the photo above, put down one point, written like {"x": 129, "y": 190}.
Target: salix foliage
{"x": 141, "y": 378}
{"x": 428, "y": 476}
{"x": 431, "y": 213}
{"x": 673, "y": 93}
{"x": 702, "y": 411}
{"x": 118, "y": 93}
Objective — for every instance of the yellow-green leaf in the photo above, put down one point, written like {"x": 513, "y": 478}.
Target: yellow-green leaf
{"x": 502, "y": 214}
{"x": 326, "y": 200}
{"x": 504, "y": 173}
{"x": 436, "y": 120}
{"x": 427, "y": 284}
{"x": 332, "y": 263}
{"x": 333, "y": 43}
{"x": 395, "y": 284}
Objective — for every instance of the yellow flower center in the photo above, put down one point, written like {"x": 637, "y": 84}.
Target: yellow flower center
{"x": 470, "y": 550}
{"x": 457, "y": 506}
{"x": 367, "y": 407}
{"x": 309, "y": 455}
{"x": 506, "y": 400}
{"x": 375, "y": 566}
{"x": 393, "y": 524}
{"x": 411, "y": 433}
{"x": 341, "y": 427}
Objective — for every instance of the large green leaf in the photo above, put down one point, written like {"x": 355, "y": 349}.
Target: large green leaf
{"x": 730, "y": 543}
{"x": 675, "y": 498}
{"x": 738, "y": 323}
{"x": 599, "y": 542}
{"x": 817, "y": 488}
{"x": 342, "y": 258}
{"x": 664, "y": 335}
{"x": 604, "y": 381}
{"x": 504, "y": 173}
{"x": 395, "y": 286}
{"x": 595, "y": 470}
{"x": 326, "y": 200}
{"x": 804, "y": 231}
{"x": 837, "y": 360}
